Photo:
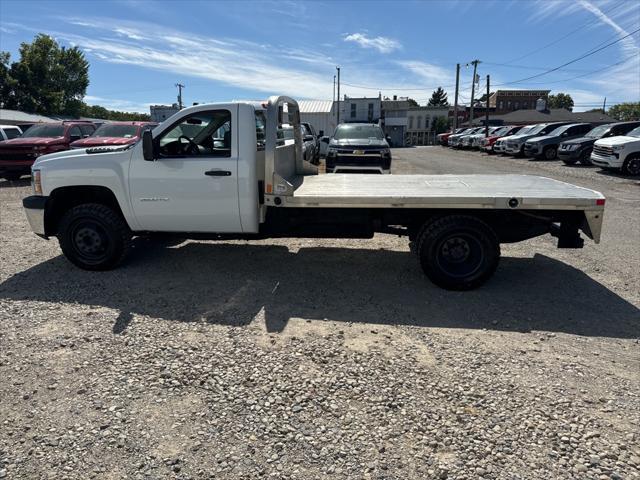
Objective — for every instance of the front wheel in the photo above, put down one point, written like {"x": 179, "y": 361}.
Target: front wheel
{"x": 631, "y": 166}
{"x": 585, "y": 157}
{"x": 458, "y": 252}
{"x": 550, "y": 153}
{"x": 570, "y": 161}
{"x": 93, "y": 236}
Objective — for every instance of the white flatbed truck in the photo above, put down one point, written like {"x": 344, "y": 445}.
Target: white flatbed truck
{"x": 216, "y": 171}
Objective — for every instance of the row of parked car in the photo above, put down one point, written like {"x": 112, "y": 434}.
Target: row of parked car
{"x": 18, "y": 149}
{"x": 610, "y": 146}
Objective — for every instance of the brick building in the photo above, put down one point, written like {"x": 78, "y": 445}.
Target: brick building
{"x": 505, "y": 101}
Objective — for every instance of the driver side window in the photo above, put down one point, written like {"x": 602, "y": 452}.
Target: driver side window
{"x": 201, "y": 134}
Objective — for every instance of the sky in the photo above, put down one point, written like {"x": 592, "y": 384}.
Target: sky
{"x": 139, "y": 49}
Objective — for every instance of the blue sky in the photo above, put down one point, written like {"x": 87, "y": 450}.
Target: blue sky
{"x": 228, "y": 50}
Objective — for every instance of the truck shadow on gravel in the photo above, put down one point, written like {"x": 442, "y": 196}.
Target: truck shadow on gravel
{"x": 232, "y": 283}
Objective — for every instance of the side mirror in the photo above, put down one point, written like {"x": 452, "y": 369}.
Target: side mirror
{"x": 309, "y": 138}
{"x": 147, "y": 146}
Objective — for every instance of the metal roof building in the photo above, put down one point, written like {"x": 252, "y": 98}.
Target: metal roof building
{"x": 319, "y": 113}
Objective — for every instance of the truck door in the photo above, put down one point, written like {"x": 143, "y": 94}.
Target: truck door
{"x": 193, "y": 184}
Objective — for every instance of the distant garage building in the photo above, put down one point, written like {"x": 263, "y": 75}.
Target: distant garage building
{"x": 319, "y": 113}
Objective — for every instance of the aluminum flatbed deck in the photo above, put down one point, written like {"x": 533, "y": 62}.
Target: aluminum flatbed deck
{"x": 440, "y": 191}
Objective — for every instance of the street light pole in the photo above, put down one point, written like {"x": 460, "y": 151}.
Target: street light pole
{"x": 338, "y": 116}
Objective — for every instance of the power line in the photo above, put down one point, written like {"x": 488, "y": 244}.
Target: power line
{"x": 566, "y": 35}
{"x": 365, "y": 87}
{"x": 589, "y": 53}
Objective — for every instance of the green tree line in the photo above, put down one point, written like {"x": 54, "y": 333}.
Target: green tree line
{"x": 49, "y": 79}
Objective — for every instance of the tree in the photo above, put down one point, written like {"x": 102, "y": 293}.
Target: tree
{"x": 438, "y": 98}
{"x": 47, "y": 79}
{"x": 483, "y": 98}
{"x": 440, "y": 125}
{"x": 96, "y": 111}
{"x": 412, "y": 102}
{"x": 560, "y": 100}
{"x": 625, "y": 111}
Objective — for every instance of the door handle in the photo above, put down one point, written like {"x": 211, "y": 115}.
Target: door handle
{"x": 218, "y": 173}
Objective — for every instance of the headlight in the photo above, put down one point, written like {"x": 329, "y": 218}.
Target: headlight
{"x": 36, "y": 182}
{"x": 385, "y": 151}
{"x": 332, "y": 151}
{"x": 573, "y": 146}
{"x": 617, "y": 148}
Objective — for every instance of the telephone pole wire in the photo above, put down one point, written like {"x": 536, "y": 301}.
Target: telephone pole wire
{"x": 473, "y": 89}
{"x": 180, "y": 87}
{"x": 455, "y": 102}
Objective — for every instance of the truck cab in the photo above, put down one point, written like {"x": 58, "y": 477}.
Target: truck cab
{"x": 218, "y": 171}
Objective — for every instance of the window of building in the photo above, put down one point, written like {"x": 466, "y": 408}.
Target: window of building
{"x": 501, "y": 105}
{"x": 516, "y": 105}
{"x": 370, "y": 112}
{"x": 353, "y": 110}
{"x": 411, "y": 122}
{"x": 419, "y": 122}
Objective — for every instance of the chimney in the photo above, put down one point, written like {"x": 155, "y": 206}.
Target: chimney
{"x": 541, "y": 105}
{"x": 395, "y": 97}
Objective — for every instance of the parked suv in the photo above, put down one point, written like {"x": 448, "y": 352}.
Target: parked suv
{"x": 546, "y": 146}
{"x": 309, "y": 149}
{"x": 114, "y": 133}
{"x": 515, "y": 144}
{"x": 360, "y": 148}
{"x": 579, "y": 149}
{"x": 622, "y": 152}
{"x": 17, "y": 155}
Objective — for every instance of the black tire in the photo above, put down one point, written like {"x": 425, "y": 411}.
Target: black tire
{"x": 550, "y": 153}
{"x": 458, "y": 252}
{"x": 94, "y": 237}
{"x": 631, "y": 166}
{"x": 569, "y": 161}
{"x": 585, "y": 157}
{"x": 12, "y": 176}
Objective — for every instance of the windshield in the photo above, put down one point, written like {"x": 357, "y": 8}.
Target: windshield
{"x": 598, "y": 132}
{"x": 358, "y": 132}
{"x": 634, "y": 133}
{"x": 45, "y": 131}
{"x": 500, "y": 131}
{"x": 110, "y": 130}
{"x": 526, "y": 130}
{"x": 536, "y": 129}
{"x": 558, "y": 131}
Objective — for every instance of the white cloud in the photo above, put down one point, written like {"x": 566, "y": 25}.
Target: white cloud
{"x": 628, "y": 44}
{"x": 118, "y": 104}
{"x": 431, "y": 74}
{"x": 382, "y": 44}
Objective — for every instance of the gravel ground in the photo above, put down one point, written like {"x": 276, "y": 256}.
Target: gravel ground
{"x": 313, "y": 359}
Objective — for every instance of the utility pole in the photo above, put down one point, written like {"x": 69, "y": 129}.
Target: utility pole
{"x": 334, "y": 89}
{"x": 180, "y": 87}
{"x": 455, "y": 103}
{"x": 604, "y": 105}
{"x": 486, "y": 112}
{"x": 473, "y": 89}
{"x": 338, "y": 116}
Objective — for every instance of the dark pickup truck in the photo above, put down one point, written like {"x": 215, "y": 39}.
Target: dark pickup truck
{"x": 17, "y": 155}
{"x": 579, "y": 149}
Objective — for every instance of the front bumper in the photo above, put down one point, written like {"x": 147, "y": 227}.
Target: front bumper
{"x": 351, "y": 162}
{"x": 34, "y": 207}
{"x": 607, "y": 161}
{"x": 512, "y": 149}
{"x": 532, "y": 150}
{"x": 570, "y": 154}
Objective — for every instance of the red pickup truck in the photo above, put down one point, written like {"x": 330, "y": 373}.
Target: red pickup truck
{"x": 115, "y": 133}
{"x": 17, "y": 155}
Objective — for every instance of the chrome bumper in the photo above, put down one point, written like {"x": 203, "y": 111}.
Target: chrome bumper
{"x": 34, "y": 209}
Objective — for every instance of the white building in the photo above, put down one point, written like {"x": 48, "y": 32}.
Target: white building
{"x": 322, "y": 114}
{"x": 159, "y": 113}
{"x": 420, "y": 124}
{"x": 363, "y": 109}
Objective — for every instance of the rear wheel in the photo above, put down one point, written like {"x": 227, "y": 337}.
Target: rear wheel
{"x": 631, "y": 166}
{"x": 458, "y": 252}
{"x": 94, "y": 237}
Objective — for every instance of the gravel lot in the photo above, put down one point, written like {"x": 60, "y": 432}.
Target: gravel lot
{"x": 305, "y": 359}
